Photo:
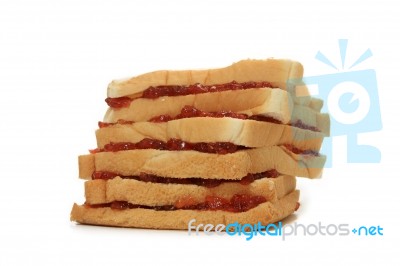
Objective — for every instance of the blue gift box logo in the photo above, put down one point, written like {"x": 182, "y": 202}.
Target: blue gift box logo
{"x": 351, "y": 98}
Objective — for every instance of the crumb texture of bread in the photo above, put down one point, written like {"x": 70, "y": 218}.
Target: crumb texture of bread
{"x": 268, "y": 212}
{"x": 159, "y": 194}
{"x": 274, "y": 103}
{"x": 184, "y": 164}
{"x": 275, "y": 71}
{"x": 248, "y": 133}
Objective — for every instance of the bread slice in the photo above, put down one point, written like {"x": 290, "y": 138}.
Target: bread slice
{"x": 274, "y": 103}
{"x": 184, "y": 164}
{"x": 248, "y": 133}
{"x": 275, "y": 71}
{"x": 266, "y": 213}
{"x": 159, "y": 194}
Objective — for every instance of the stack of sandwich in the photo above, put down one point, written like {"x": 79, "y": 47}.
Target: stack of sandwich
{"x": 218, "y": 146}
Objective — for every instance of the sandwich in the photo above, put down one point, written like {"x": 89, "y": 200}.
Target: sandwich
{"x": 218, "y": 146}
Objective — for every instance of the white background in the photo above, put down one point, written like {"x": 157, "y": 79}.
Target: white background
{"x": 56, "y": 59}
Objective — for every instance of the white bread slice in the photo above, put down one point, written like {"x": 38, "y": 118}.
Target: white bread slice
{"x": 159, "y": 194}
{"x": 184, "y": 164}
{"x": 247, "y": 133}
{"x": 311, "y": 118}
{"x": 274, "y": 103}
{"x": 275, "y": 71}
{"x": 266, "y": 213}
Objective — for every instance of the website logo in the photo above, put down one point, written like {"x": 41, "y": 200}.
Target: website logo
{"x": 248, "y": 231}
{"x": 352, "y": 101}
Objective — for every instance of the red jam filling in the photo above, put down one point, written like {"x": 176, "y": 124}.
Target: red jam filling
{"x": 119, "y": 102}
{"x": 295, "y": 150}
{"x": 178, "y": 90}
{"x": 190, "y": 111}
{"x": 160, "y": 91}
{"x": 238, "y": 203}
{"x": 246, "y": 180}
{"x": 179, "y": 145}
{"x": 172, "y": 145}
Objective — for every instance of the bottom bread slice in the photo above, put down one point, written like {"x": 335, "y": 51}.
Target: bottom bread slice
{"x": 265, "y": 213}
{"x": 158, "y": 194}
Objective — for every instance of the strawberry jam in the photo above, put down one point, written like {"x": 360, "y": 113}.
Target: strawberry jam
{"x": 177, "y": 90}
{"x": 295, "y": 150}
{"x": 172, "y": 145}
{"x": 249, "y": 178}
{"x": 190, "y": 111}
{"x": 238, "y": 203}
{"x": 300, "y": 124}
{"x": 119, "y": 102}
{"x": 179, "y": 145}
{"x": 174, "y": 90}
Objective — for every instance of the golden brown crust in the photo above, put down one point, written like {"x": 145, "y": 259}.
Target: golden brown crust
{"x": 247, "y": 133}
{"x": 183, "y": 164}
{"x": 86, "y": 165}
{"x": 158, "y": 194}
{"x": 265, "y": 213}
{"x": 275, "y": 71}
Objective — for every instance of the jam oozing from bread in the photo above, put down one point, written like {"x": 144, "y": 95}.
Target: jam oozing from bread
{"x": 190, "y": 112}
{"x": 179, "y": 145}
{"x": 181, "y": 90}
{"x": 295, "y": 150}
{"x": 238, "y": 203}
{"x": 118, "y": 102}
{"x": 174, "y": 90}
{"x": 172, "y": 145}
{"x": 246, "y": 180}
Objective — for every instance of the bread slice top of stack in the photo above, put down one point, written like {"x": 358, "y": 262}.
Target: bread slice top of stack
{"x": 174, "y": 138}
{"x": 272, "y": 97}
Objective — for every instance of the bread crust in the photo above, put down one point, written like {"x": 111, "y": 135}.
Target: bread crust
{"x": 184, "y": 164}
{"x": 275, "y": 71}
{"x": 159, "y": 194}
{"x": 248, "y": 133}
{"x": 266, "y": 213}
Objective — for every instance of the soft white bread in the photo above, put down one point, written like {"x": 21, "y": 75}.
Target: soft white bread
{"x": 247, "y": 133}
{"x": 268, "y": 102}
{"x": 275, "y": 71}
{"x": 184, "y": 164}
{"x": 159, "y": 194}
{"x": 272, "y": 102}
{"x": 268, "y": 212}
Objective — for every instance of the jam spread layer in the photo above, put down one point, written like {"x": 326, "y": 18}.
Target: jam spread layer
{"x": 190, "y": 111}
{"x": 238, "y": 203}
{"x": 178, "y": 90}
{"x": 172, "y": 145}
{"x": 220, "y": 148}
{"x": 209, "y": 183}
